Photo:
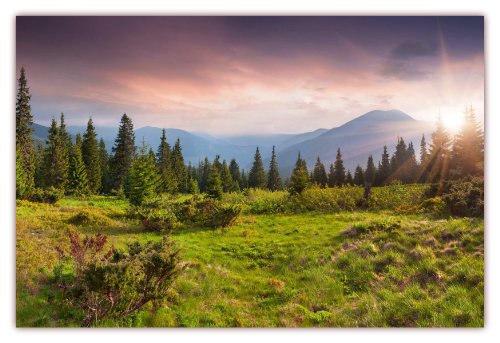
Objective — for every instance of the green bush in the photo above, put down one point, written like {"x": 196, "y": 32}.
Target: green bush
{"x": 465, "y": 197}
{"x": 157, "y": 215}
{"x": 90, "y": 217}
{"x": 46, "y": 195}
{"x": 396, "y": 196}
{"x": 110, "y": 284}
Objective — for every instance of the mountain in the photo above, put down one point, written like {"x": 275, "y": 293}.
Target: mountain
{"x": 357, "y": 139}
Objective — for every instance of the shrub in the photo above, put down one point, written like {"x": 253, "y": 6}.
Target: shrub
{"x": 89, "y": 217}
{"x": 396, "y": 196}
{"x": 46, "y": 195}
{"x": 435, "y": 205}
{"x": 109, "y": 284}
{"x": 465, "y": 197}
{"x": 157, "y": 216}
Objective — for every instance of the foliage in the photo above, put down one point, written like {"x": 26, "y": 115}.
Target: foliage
{"x": 274, "y": 182}
{"x": 395, "y": 195}
{"x": 78, "y": 182}
{"x": 157, "y": 215}
{"x": 465, "y": 197}
{"x": 143, "y": 178}
{"x": 46, "y": 195}
{"x": 299, "y": 179}
{"x": 114, "y": 284}
{"x": 257, "y": 176}
{"x": 122, "y": 153}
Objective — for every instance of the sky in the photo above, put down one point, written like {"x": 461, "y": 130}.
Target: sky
{"x": 250, "y": 75}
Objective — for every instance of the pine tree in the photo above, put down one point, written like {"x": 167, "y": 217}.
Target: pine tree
{"x": 299, "y": 179}
{"x": 319, "y": 174}
{"x": 331, "y": 176}
{"x": 274, "y": 182}
{"x": 25, "y": 145}
{"x": 192, "y": 186}
{"x": 234, "y": 169}
{"x": 39, "y": 166}
{"x": 104, "y": 163}
{"x": 244, "y": 179}
{"x": 348, "y": 178}
{"x": 90, "y": 154}
{"x": 369, "y": 171}
{"x": 226, "y": 179}
{"x": 214, "y": 186}
{"x": 143, "y": 179}
{"x": 384, "y": 171}
{"x": 78, "y": 182}
{"x": 205, "y": 175}
{"x": 20, "y": 177}
{"x": 359, "y": 179}
{"x": 339, "y": 170}
{"x": 468, "y": 148}
{"x": 65, "y": 137}
{"x": 439, "y": 153}
{"x": 179, "y": 168}
{"x": 164, "y": 156}
{"x": 257, "y": 175}
{"x": 424, "y": 155}
{"x": 122, "y": 153}
{"x": 55, "y": 159}
{"x": 411, "y": 167}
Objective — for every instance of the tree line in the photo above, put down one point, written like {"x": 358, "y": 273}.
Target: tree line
{"x": 85, "y": 167}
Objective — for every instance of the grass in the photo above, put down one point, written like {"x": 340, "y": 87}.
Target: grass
{"x": 337, "y": 269}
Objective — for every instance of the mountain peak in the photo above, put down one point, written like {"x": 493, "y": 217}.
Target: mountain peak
{"x": 390, "y": 115}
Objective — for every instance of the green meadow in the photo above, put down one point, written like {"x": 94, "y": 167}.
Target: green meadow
{"x": 392, "y": 263}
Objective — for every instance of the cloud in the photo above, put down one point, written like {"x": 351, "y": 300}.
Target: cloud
{"x": 410, "y": 50}
{"x": 404, "y": 71}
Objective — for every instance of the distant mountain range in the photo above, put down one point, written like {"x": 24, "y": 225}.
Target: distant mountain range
{"x": 357, "y": 139}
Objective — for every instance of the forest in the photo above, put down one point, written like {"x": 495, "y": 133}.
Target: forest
{"x": 137, "y": 237}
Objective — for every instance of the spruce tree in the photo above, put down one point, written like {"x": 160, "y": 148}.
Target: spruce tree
{"x": 359, "y": 179}
{"x": 20, "y": 177}
{"x": 468, "y": 148}
{"x": 369, "y": 175}
{"x": 257, "y": 175}
{"x": 192, "y": 186}
{"x": 205, "y": 175}
{"x": 244, "y": 179}
{"x": 299, "y": 179}
{"x": 319, "y": 174}
{"x": 339, "y": 170}
{"x": 104, "y": 163}
{"x": 214, "y": 186}
{"x": 179, "y": 168}
{"x": 78, "y": 182}
{"x": 411, "y": 167}
{"x": 226, "y": 179}
{"x": 55, "y": 159}
{"x": 274, "y": 182}
{"x": 90, "y": 153}
{"x": 439, "y": 153}
{"x": 65, "y": 137}
{"x": 122, "y": 153}
{"x": 168, "y": 183}
{"x": 348, "y": 179}
{"x": 25, "y": 145}
{"x": 40, "y": 165}
{"x": 143, "y": 178}
{"x": 384, "y": 171}
{"x": 331, "y": 176}
{"x": 234, "y": 169}
{"x": 424, "y": 155}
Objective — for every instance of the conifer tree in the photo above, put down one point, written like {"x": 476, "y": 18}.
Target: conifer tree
{"x": 90, "y": 154}
{"x": 331, "y": 176}
{"x": 299, "y": 179}
{"x": 122, "y": 153}
{"x": 192, "y": 186}
{"x": 234, "y": 169}
{"x": 468, "y": 148}
{"x": 410, "y": 165}
{"x": 369, "y": 175}
{"x": 424, "y": 155}
{"x": 216, "y": 164}
{"x": 25, "y": 145}
{"x": 384, "y": 171}
{"x": 348, "y": 179}
{"x": 439, "y": 154}
{"x": 226, "y": 179}
{"x": 40, "y": 165}
{"x": 104, "y": 163}
{"x": 55, "y": 159}
{"x": 205, "y": 175}
{"x": 179, "y": 168}
{"x": 143, "y": 178}
{"x": 167, "y": 180}
{"x": 274, "y": 182}
{"x": 257, "y": 175}
{"x": 214, "y": 186}
{"x": 20, "y": 177}
{"x": 78, "y": 182}
{"x": 319, "y": 174}
{"x": 65, "y": 137}
{"x": 244, "y": 179}
{"x": 339, "y": 170}
{"x": 359, "y": 179}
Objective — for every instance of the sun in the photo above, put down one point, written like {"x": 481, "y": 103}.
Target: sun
{"x": 452, "y": 121}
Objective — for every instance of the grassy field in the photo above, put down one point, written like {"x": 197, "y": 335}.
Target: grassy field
{"x": 333, "y": 269}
